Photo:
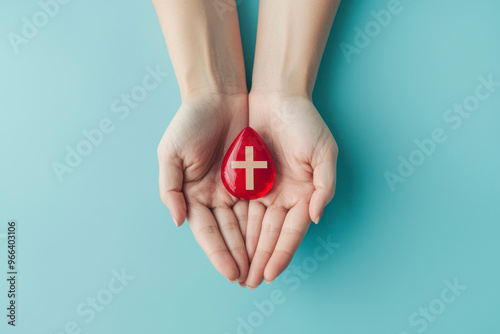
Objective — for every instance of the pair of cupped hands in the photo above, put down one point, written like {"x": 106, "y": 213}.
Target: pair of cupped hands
{"x": 247, "y": 241}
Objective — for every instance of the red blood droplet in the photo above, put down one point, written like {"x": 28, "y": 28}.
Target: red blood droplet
{"x": 248, "y": 167}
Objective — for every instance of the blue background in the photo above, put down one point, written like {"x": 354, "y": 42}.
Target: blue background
{"x": 396, "y": 248}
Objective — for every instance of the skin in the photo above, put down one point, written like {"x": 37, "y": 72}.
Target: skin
{"x": 256, "y": 240}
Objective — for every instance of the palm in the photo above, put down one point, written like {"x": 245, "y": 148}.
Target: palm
{"x": 191, "y": 152}
{"x": 199, "y": 134}
{"x": 304, "y": 151}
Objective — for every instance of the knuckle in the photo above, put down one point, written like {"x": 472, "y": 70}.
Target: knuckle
{"x": 288, "y": 254}
{"x": 254, "y": 218}
{"x": 252, "y": 240}
{"x": 262, "y": 253}
{"x": 239, "y": 253}
{"x": 164, "y": 198}
{"x": 270, "y": 227}
{"x": 207, "y": 229}
{"x": 241, "y": 250}
{"x": 290, "y": 232}
{"x": 215, "y": 252}
{"x": 230, "y": 226}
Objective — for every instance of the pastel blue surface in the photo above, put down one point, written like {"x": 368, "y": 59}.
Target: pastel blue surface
{"x": 398, "y": 248}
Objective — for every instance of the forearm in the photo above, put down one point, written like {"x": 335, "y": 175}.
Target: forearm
{"x": 204, "y": 47}
{"x": 291, "y": 38}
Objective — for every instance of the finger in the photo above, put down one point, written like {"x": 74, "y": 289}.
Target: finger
{"x": 230, "y": 230}
{"x": 256, "y": 211}
{"x": 240, "y": 209}
{"x": 208, "y": 236}
{"x": 270, "y": 231}
{"x": 171, "y": 177}
{"x": 324, "y": 179}
{"x": 293, "y": 231}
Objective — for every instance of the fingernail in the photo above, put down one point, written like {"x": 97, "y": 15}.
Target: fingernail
{"x": 251, "y": 287}
{"x": 175, "y": 221}
{"x": 232, "y": 281}
{"x": 243, "y": 285}
{"x": 268, "y": 282}
{"x": 316, "y": 221}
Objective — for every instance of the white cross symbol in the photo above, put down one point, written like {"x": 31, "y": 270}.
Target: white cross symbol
{"x": 249, "y": 164}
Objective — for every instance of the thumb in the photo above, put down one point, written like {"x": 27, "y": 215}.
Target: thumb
{"x": 324, "y": 179}
{"x": 171, "y": 178}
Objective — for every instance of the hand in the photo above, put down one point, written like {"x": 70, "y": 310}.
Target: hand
{"x": 305, "y": 155}
{"x": 190, "y": 155}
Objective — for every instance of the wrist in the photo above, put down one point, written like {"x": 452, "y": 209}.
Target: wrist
{"x": 198, "y": 82}
{"x": 274, "y": 103}
{"x": 283, "y": 79}
{"x": 277, "y": 94}
{"x": 218, "y": 104}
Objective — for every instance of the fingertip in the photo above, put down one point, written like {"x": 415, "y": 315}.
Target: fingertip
{"x": 178, "y": 222}
{"x": 269, "y": 278}
{"x": 243, "y": 272}
{"x": 230, "y": 273}
{"x": 177, "y": 205}
{"x": 254, "y": 277}
{"x": 176, "y": 216}
{"x": 317, "y": 206}
{"x": 179, "y": 218}
{"x": 254, "y": 280}
{"x": 275, "y": 267}
{"x": 175, "y": 220}
{"x": 225, "y": 264}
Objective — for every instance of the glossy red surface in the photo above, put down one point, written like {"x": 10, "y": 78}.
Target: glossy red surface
{"x": 248, "y": 168}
